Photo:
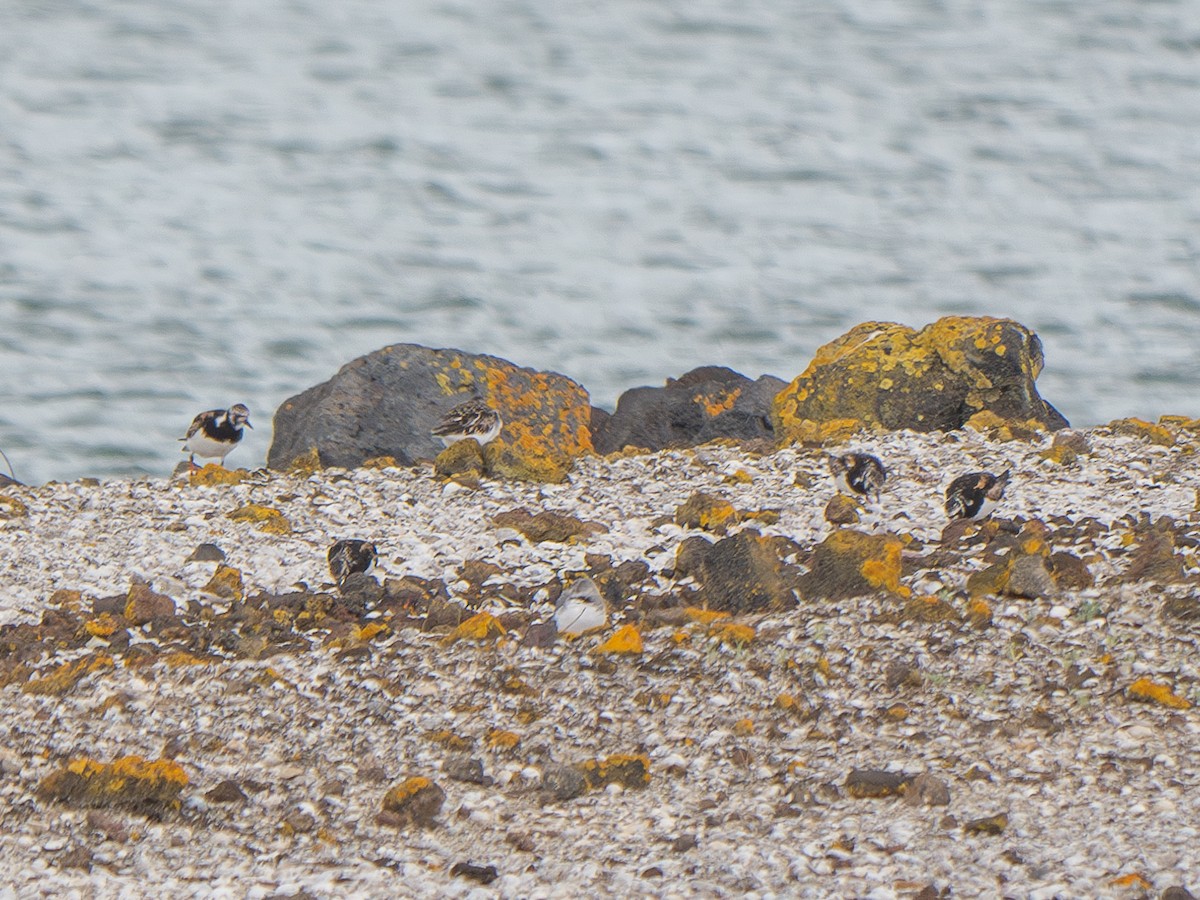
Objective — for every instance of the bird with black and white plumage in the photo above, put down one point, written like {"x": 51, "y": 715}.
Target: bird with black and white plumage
{"x": 858, "y": 473}
{"x": 215, "y": 432}
{"x": 472, "y": 419}
{"x": 580, "y": 608}
{"x": 975, "y": 495}
{"x": 350, "y": 555}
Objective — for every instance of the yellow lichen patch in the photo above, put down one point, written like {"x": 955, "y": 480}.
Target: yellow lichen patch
{"x": 66, "y": 676}
{"x": 705, "y": 616}
{"x": 415, "y": 801}
{"x": 1153, "y": 692}
{"x": 12, "y": 508}
{"x": 732, "y": 634}
{"x": 1000, "y": 429}
{"x": 717, "y": 402}
{"x": 1156, "y": 434}
{"x": 851, "y": 563}
{"x": 369, "y": 631}
{"x": 181, "y": 658}
{"x": 811, "y": 433}
{"x": 786, "y": 702}
{"x": 1179, "y": 423}
{"x": 739, "y": 476}
{"x": 706, "y": 512}
{"x": 226, "y": 582}
{"x": 743, "y": 728}
{"x": 631, "y": 770}
{"x": 213, "y": 474}
{"x": 130, "y": 781}
{"x": 104, "y": 625}
{"x": 265, "y": 518}
{"x": 1132, "y": 880}
{"x": 979, "y": 613}
{"x": 897, "y": 712}
{"x": 450, "y": 740}
{"x": 680, "y": 637}
{"x": 306, "y": 463}
{"x": 480, "y": 627}
{"x": 626, "y": 641}
{"x": 499, "y": 739}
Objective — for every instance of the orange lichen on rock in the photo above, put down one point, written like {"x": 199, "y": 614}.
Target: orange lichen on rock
{"x": 69, "y": 674}
{"x": 151, "y": 786}
{"x": 631, "y": 770}
{"x": 707, "y": 512}
{"x": 305, "y": 464}
{"x": 480, "y": 627}
{"x": 415, "y": 801}
{"x": 1133, "y": 427}
{"x": 732, "y": 634}
{"x": 852, "y": 563}
{"x": 891, "y": 376}
{"x": 103, "y": 626}
{"x": 743, "y": 727}
{"x": 625, "y": 641}
{"x": 705, "y": 616}
{"x": 499, "y": 739}
{"x": 12, "y": 508}
{"x": 718, "y": 401}
{"x": 369, "y": 631}
{"x": 1151, "y": 691}
{"x": 447, "y": 738}
{"x": 265, "y": 518}
{"x": 998, "y": 428}
{"x": 1132, "y": 880}
{"x": 213, "y": 474}
{"x": 226, "y": 582}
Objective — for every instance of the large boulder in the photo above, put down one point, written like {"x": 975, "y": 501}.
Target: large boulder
{"x": 386, "y": 404}
{"x": 891, "y": 376}
{"x": 707, "y": 403}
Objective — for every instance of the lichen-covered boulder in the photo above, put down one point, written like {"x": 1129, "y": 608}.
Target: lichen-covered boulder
{"x": 743, "y": 573}
{"x": 891, "y": 376}
{"x": 385, "y": 404}
{"x": 851, "y": 563}
{"x": 706, "y": 404}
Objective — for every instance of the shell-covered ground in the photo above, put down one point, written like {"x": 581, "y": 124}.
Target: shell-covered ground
{"x": 1056, "y": 736}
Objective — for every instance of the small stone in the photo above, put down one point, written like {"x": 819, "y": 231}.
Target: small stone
{"x": 299, "y": 822}
{"x": 684, "y": 843}
{"x": 520, "y": 840}
{"x": 862, "y": 783}
{"x": 1029, "y": 578}
{"x": 563, "y": 782}
{"x": 1177, "y": 892}
{"x": 228, "y": 791}
{"x": 482, "y": 874}
{"x": 927, "y": 790}
{"x": 461, "y": 767}
{"x": 540, "y": 634}
{"x": 987, "y": 824}
{"x": 207, "y": 553}
{"x": 841, "y": 510}
{"x": 416, "y": 801}
{"x": 143, "y": 605}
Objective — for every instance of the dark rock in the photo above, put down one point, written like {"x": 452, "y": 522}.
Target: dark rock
{"x": 891, "y": 376}
{"x": 385, "y": 404}
{"x": 299, "y": 821}
{"x": 1177, "y": 892}
{"x": 540, "y": 634}
{"x": 416, "y": 801}
{"x": 563, "y": 782}
{"x": 207, "y": 553}
{"x": 899, "y": 672}
{"x": 706, "y": 404}
{"x": 228, "y": 791}
{"x": 1155, "y": 558}
{"x": 684, "y": 843}
{"x": 927, "y": 790}
{"x": 1029, "y": 578}
{"x": 482, "y": 874}
{"x": 460, "y": 458}
{"x": 852, "y": 563}
{"x": 520, "y": 840}
{"x": 1069, "y": 571}
{"x": 841, "y": 510}
{"x": 546, "y": 525}
{"x": 862, "y": 783}
{"x": 461, "y": 767}
{"x": 987, "y": 825}
{"x": 442, "y": 614}
{"x": 143, "y": 605}
{"x": 738, "y": 574}
{"x": 358, "y": 593}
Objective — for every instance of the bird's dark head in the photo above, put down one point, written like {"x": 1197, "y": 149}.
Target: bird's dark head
{"x": 239, "y": 415}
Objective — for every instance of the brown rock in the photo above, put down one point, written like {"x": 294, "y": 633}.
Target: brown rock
{"x": 841, "y": 510}
{"x": 563, "y": 782}
{"x": 416, "y": 801}
{"x": 862, "y": 783}
{"x": 546, "y": 526}
{"x": 987, "y": 825}
{"x": 143, "y": 605}
{"x": 738, "y": 574}
{"x": 927, "y": 790}
{"x": 891, "y": 376}
{"x": 706, "y": 512}
{"x": 1029, "y": 578}
{"x": 851, "y": 563}
{"x": 481, "y": 874}
{"x": 228, "y": 791}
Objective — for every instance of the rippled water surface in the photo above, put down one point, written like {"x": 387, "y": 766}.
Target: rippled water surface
{"x": 207, "y": 202}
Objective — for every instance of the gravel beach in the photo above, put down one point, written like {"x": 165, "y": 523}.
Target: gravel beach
{"x": 937, "y": 740}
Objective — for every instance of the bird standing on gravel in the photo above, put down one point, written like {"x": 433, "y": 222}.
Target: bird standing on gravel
{"x": 975, "y": 495}
{"x": 349, "y": 556}
{"x": 473, "y": 419}
{"x": 215, "y": 433}
{"x": 858, "y": 473}
{"x": 580, "y": 608}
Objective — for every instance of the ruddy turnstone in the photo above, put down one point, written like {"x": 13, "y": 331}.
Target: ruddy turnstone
{"x": 975, "y": 495}
{"x": 580, "y": 608}
{"x": 349, "y": 556}
{"x": 473, "y": 419}
{"x": 858, "y": 473}
{"x": 215, "y": 433}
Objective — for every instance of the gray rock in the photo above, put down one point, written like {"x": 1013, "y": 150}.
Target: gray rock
{"x": 387, "y": 402}
{"x": 681, "y": 414}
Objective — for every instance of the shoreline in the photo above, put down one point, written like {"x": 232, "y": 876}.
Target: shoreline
{"x": 1027, "y": 711}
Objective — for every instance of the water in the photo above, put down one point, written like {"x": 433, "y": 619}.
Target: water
{"x": 210, "y": 202}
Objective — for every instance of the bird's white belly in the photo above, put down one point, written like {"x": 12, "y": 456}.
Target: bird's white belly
{"x": 202, "y": 445}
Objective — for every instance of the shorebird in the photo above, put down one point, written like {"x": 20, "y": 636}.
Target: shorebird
{"x": 349, "y": 556}
{"x": 215, "y": 433}
{"x": 975, "y": 495}
{"x": 580, "y": 608}
{"x": 858, "y": 473}
{"x": 473, "y": 419}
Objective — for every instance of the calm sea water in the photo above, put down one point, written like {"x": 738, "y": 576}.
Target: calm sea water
{"x": 210, "y": 201}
